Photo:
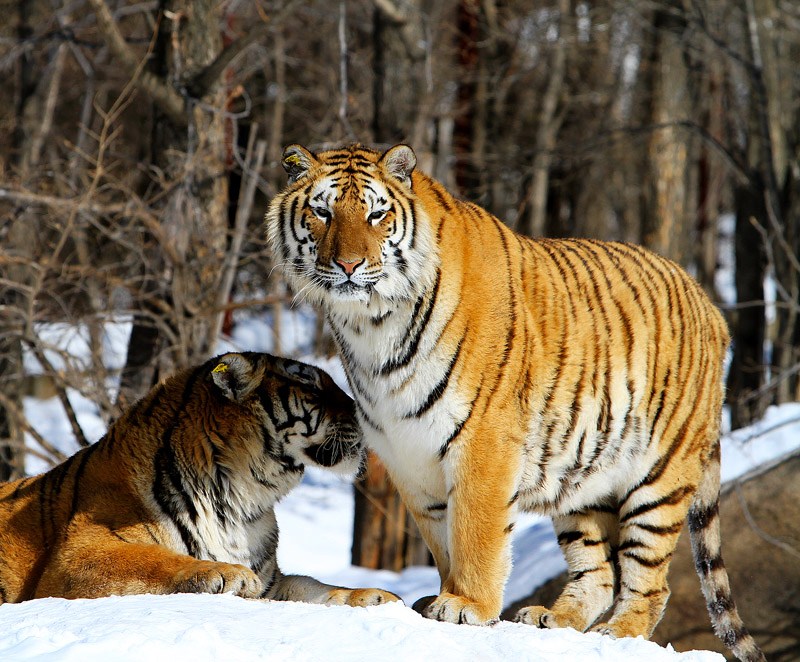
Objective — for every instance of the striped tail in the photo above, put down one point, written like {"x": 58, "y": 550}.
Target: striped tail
{"x": 704, "y": 530}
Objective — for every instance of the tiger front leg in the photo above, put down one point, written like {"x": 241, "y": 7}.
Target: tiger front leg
{"x": 93, "y": 562}
{"x": 481, "y": 510}
{"x": 586, "y": 539}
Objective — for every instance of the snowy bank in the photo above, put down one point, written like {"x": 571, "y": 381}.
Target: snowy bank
{"x": 221, "y": 628}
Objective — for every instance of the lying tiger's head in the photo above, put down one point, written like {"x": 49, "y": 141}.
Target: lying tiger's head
{"x": 252, "y": 419}
{"x": 349, "y": 228}
{"x": 302, "y": 416}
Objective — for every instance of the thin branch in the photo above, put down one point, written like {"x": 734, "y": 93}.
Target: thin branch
{"x": 244, "y": 207}
{"x": 129, "y": 209}
{"x": 55, "y": 454}
{"x": 159, "y": 91}
{"x": 766, "y": 537}
{"x": 61, "y": 391}
{"x": 342, "y": 34}
{"x": 206, "y": 79}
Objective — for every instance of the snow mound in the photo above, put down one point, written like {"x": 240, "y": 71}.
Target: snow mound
{"x": 222, "y": 627}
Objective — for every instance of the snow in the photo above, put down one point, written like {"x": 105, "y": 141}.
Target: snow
{"x": 223, "y": 627}
{"x": 316, "y": 528}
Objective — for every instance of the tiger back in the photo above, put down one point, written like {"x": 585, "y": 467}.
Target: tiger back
{"x": 179, "y": 495}
{"x": 495, "y": 374}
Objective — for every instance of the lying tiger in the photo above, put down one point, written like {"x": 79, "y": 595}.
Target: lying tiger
{"x": 495, "y": 374}
{"x": 179, "y": 495}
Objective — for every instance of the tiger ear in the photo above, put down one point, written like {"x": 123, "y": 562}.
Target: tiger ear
{"x": 399, "y": 162}
{"x": 296, "y": 161}
{"x": 236, "y": 376}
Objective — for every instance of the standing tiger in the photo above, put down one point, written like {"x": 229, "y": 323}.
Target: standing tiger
{"x": 178, "y": 496}
{"x": 495, "y": 374}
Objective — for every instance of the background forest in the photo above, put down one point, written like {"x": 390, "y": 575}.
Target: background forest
{"x": 141, "y": 141}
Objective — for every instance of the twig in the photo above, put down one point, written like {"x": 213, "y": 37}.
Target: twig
{"x": 61, "y": 392}
{"x": 342, "y": 32}
{"x": 244, "y": 207}
{"x": 766, "y": 537}
{"x": 10, "y": 406}
{"x": 129, "y": 209}
{"x": 205, "y": 80}
{"x": 163, "y": 94}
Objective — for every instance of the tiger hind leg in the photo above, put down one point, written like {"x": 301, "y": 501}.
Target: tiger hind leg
{"x": 586, "y": 539}
{"x": 650, "y": 523}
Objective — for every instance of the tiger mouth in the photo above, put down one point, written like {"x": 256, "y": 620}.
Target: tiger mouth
{"x": 349, "y": 287}
{"x": 330, "y": 452}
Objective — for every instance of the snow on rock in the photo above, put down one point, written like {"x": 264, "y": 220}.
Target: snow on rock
{"x": 222, "y": 627}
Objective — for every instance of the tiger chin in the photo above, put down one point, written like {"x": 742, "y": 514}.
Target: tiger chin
{"x": 179, "y": 495}
{"x": 495, "y": 374}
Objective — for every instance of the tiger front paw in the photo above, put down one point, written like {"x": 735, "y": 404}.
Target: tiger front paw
{"x": 361, "y": 597}
{"x": 214, "y": 577}
{"x": 455, "y": 609}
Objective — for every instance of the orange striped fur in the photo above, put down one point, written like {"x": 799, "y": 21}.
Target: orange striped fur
{"x": 495, "y": 374}
{"x": 178, "y": 496}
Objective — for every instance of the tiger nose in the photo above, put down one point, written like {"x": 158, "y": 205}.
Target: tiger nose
{"x": 349, "y": 266}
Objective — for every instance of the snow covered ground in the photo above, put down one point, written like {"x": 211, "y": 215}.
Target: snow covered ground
{"x": 316, "y": 528}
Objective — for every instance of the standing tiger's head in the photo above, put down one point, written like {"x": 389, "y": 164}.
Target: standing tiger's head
{"x": 296, "y": 412}
{"x": 349, "y": 228}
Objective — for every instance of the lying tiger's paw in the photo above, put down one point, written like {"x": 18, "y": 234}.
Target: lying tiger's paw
{"x": 455, "y": 609}
{"x": 213, "y": 577}
{"x": 360, "y": 597}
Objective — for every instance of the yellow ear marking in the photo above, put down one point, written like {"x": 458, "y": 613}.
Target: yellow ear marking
{"x": 220, "y": 368}
{"x": 292, "y": 159}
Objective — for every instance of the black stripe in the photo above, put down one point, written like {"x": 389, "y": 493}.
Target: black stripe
{"x": 706, "y": 565}
{"x": 418, "y": 329}
{"x": 503, "y": 362}
{"x": 269, "y": 546}
{"x": 282, "y": 222}
{"x": 76, "y": 480}
{"x": 367, "y": 419}
{"x": 666, "y": 529}
{"x": 270, "y": 584}
{"x": 442, "y": 199}
{"x": 569, "y": 537}
{"x": 153, "y": 399}
{"x": 579, "y": 574}
{"x": 168, "y": 485}
{"x": 700, "y": 518}
{"x": 460, "y": 426}
{"x": 438, "y": 391}
{"x": 674, "y": 497}
{"x": 150, "y": 533}
{"x": 647, "y": 563}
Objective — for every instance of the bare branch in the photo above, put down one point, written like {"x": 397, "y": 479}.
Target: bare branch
{"x": 155, "y": 87}
{"x": 206, "y": 79}
{"x": 130, "y": 209}
{"x": 55, "y": 455}
{"x": 61, "y": 391}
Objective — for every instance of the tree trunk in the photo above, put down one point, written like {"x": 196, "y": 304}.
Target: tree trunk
{"x": 384, "y": 533}
{"x": 547, "y": 130}
{"x": 746, "y": 375}
{"x": 767, "y": 218}
{"x": 467, "y": 178}
{"x": 669, "y": 190}
{"x": 176, "y": 324}
{"x": 20, "y": 245}
{"x": 775, "y": 61}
